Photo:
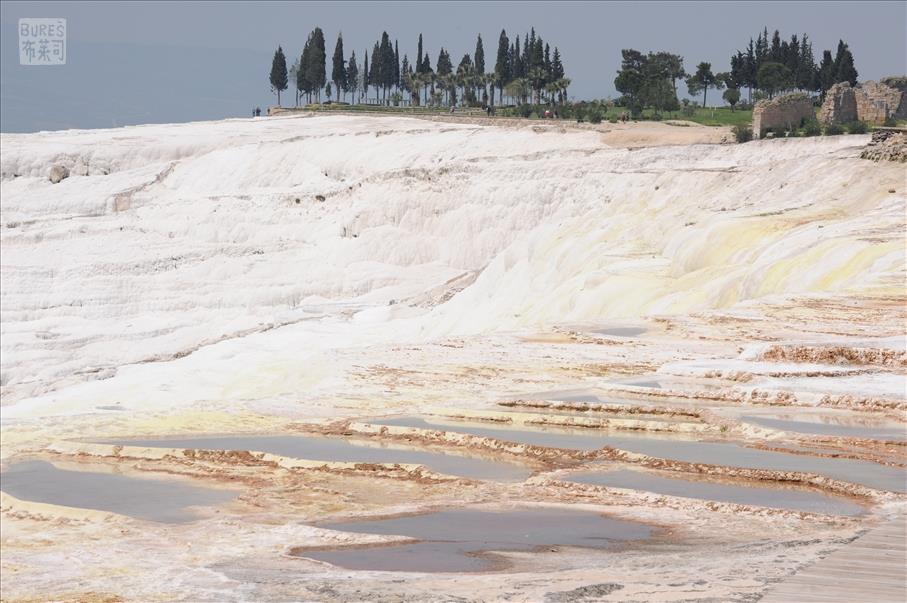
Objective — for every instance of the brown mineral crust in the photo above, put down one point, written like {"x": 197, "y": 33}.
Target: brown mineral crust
{"x": 765, "y": 475}
{"x": 604, "y": 408}
{"x": 835, "y": 355}
{"x": 604, "y": 495}
{"x": 867, "y": 403}
{"x": 831, "y": 454}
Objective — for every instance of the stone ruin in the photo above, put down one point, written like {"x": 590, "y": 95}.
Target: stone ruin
{"x": 872, "y": 102}
{"x": 888, "y": 144}
{"x": 782, "y": 113}
{"x": 840, "y": 106}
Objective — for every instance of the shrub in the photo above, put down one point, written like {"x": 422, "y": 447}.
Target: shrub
{"x": 890, "y": 122}
{"x": 811, "y": 128}
{"x": 525, "y": 111}
{"x": 857, "y": 127}
{"x": 743, "y": 133}
{"x": 612, "y": 120}
{"x": 833, "y": 130}
{"x": 595, "y": 116}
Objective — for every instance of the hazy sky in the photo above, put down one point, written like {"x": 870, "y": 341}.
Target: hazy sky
{"x": 156, "y": 62}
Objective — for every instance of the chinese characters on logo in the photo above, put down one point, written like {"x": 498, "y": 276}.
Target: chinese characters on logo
{"x": 42, "y": 41}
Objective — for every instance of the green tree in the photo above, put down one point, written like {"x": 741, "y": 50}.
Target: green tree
{"x": 844, "y": 67}
{"x": 630, "y": 79}
{"x": 396, "y": 64}
{"x": 419, "y": 56}
{"x": 374, "y": 75}
{"x": 774, "y": 53}
{"x": 352, "y": 76}
{"x": 479, "y": 62}
{"x": 278, "y": 76}
{"x": 385, "y": 64}
{"x": 338, "y": 67}
{"x": 826, "y": 72}
{"x": 363, "y": 78}
{"x": 404, "y": 70}
{"x": 806, "y": 72}
{"x": 303, "y": 85}
{"x": 503, "y": 72}
{"x": 702, "y": 80}
{"x": 732, "y": 97}
{"x": 774, "y": 77}
{"x": 672, "y": 64}
{"x": 314, "y": 67}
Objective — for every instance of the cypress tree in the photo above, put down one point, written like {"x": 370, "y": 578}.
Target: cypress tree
{"x": 774, "y": 55}
{"x": 396, "y": 65}
{"x": 557, "y": 67}
{"x": 303, "y": 83}
{"x": 365, "y": 76}
{"x": 278, "y": 76}
{"x": 806, "y": 66}
{"x": 404, "y": 71}
{"x": 338, "y": 69}
{"x": 761, "y": 51}
{"x": 526, "y": 57}
{"x": 374, "y": 73}
{"x": 385, "y": 63}
{"x": 844, "y": 67}
{"x": 502, "y": 68}
{"x": 479, "y": 59}
{"x": 419, "y": 56}
{"x": 352, "y": 75}
{"x": 750, "y": 68}
{"x": 314, "y": 66}
{"x": 826, "y": 71}
{"x": 793, "y": 58}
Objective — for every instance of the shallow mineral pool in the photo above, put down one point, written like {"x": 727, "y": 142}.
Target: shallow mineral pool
{"x": 778, "y": 498}
{"x": 461, "y": 540}
{"x": 867, "y": 473}
{"x": 832, "y": 426}
{"x": 621, "y": 331}
{"x": 165, "y": 501}
{"x": 340, "y": 450}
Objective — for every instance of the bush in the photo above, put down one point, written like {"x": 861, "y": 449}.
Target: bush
{"x": 595, "y": 116}
{"x": 890, "y": 122}
{"x": 612, "y": 120}
{"x": 857, "y": 127}
{"x": 742, "y": 133}
{"x": 524, "y": 111}
{"x": 812, "y": 128}
{"x": 833, "y": 130}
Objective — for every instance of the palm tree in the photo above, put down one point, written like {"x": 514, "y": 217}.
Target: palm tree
{"x": 563, "y": 84}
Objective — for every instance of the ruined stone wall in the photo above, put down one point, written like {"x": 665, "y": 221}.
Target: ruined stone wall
{"x": 872, "y": 102}
{"x": 781, "y": 113}
{"x": 876, "y": 102}
{"x": 840, "y": 106}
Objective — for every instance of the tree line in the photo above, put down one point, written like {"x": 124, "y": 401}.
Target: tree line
{"x": 765, "y": 68}
{"x": 531, "y": 72}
